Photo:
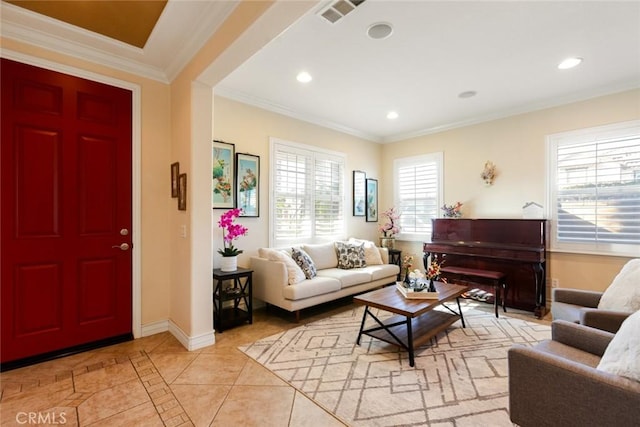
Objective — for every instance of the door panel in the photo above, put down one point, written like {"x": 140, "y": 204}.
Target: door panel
{"x": 66, "y": 194}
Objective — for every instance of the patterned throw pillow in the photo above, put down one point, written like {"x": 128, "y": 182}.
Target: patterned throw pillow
{"x": 350, "y": 255}
{"x": 305, "y": 262}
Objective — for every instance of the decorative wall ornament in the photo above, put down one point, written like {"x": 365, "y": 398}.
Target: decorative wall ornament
{"x": 489, "y": 172}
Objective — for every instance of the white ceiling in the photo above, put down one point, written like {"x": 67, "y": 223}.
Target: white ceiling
{"x": 506, "y": 51}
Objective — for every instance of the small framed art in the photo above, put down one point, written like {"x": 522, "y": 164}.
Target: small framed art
{"x": 372, "y": 200}
{"x": 222, "y": 174}
{"x": 175, "y": 171}
{"x": 182, "y": 192}
{"x": 248, "y": 184}
{"x": 359, "y": 193}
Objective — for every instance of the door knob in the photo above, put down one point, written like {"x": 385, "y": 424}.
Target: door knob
{"x": 122, "y": 247}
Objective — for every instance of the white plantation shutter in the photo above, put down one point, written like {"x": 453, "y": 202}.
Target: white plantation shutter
{"x": 595, "y": 189}
{"x": 418, "y": 194}
{"x": 307, "y": 203}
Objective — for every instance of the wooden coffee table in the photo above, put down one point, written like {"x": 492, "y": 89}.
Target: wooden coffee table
{"x": 416, "y": 321}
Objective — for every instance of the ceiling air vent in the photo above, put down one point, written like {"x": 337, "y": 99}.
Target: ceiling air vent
{"x": 340, "y": 9}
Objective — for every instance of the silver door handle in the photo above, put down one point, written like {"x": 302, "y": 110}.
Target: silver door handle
{"x": 122, "y": 247}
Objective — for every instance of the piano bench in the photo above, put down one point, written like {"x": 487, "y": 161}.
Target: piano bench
{"x": 496, "y": 278}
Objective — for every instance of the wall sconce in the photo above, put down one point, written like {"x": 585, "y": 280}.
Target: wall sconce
{"x": 489, "y": 173}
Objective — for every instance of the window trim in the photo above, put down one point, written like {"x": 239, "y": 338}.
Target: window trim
{"x": 580, "y": 136}
{"x": 438, "y": 159}
{"x": 273, "y": 143}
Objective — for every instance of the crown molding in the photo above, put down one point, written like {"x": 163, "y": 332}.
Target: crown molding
{"x": 244, "y": 98}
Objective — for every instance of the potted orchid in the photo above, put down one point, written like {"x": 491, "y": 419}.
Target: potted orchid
{"x": 390, "y": 228}
{"x": 230, "y": 232}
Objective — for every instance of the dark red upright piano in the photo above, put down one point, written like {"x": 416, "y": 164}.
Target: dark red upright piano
{"x": 516, "y": 247}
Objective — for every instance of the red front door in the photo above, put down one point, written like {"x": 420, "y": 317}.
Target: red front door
{"x": 66, "y": 209}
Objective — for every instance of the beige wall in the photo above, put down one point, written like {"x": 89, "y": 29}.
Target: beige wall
{"x": 250, "y": 128}
{"x": 517, "y": 145}
{"x": 156, "y": 202}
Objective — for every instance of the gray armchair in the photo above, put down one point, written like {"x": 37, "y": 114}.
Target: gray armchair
{"x": 580, "y": 306}
{"x": 556, "y": 383}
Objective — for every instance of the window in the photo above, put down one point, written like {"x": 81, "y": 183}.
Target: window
{"x": 308, "y": 200}
{"x": 418, "y": 194}
{"x": 594, "y": 190}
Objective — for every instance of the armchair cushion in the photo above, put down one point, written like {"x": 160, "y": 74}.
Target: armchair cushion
{"x": 624, "y": 292}
{"x": 622, "y": 356}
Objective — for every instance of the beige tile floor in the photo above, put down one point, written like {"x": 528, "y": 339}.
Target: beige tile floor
{"x": 156, "y": 381}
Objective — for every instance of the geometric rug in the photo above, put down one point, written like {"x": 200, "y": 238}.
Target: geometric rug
{"x": 459, "y": 378}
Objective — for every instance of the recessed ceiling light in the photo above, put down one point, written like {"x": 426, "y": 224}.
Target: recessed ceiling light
{"x": 467, "y": 94}
{"x": 569, "y": 63}
{"x": 304, "y": 77}
{"x": 380, "y": 30}
{"x": 392, "y": 115}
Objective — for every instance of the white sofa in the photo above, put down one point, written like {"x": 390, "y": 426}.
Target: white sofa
{"x": 277, "y": 281}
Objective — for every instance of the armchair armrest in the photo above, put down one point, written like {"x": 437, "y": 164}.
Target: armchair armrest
{"x": 576, "y": 296}
{"x": 607, "y": 320}
{"x": 594, "y": 341}
{"x": 548, "y": 390}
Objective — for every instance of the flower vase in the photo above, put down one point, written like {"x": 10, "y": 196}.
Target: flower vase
{"x": 229, "y": 263}
{"x": 407, "y": 280}
{"x": 387, "y": 242}
{"x": 432, "y": 287}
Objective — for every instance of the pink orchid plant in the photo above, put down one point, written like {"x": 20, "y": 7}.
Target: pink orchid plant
{"x": 389, "y": 228}
{"x": 230, "y": 232}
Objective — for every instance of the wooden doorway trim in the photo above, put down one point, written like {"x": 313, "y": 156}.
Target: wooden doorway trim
{"x": 136, "y": 141}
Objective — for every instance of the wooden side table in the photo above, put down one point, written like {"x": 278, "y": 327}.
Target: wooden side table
{"x": 395, "y": 257}
{"x": 232, "y": 298}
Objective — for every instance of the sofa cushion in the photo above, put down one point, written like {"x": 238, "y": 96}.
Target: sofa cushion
{"x": 304, "y": 261}
{"x": 350, "y": 255}
{"x": 371, "y": 251}
{"x": 323, "y": 256}
{"x": 294, "y": 272}
{"x": 347, "y": 278}
{"x": 622, "y": 356}
{"x": 381, "y": 271}
{"x": 624, "y": 292}
{"x": 311, "y": 288}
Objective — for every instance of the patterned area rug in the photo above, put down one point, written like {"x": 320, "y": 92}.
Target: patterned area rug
{"x": 459, "y": 379}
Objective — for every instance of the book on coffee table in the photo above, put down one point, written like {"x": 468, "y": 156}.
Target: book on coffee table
{"x": 413, "y": 294}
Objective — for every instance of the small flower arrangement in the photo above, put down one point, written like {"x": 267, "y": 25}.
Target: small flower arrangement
{"x": 433, "y": 272}
{"x": 230, "y": 232}
{"x": 452, "y": 211}
{"x": 390, "y": 228}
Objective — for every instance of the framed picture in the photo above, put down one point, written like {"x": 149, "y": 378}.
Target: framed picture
{"x": 182, "y": 192}
{"x": 359, "y": 192}
{"x": 175, "y": 171}
{"x": 248, "y": 184}
{"x": 372, "y": 200}
{"x": 222, "y": 174}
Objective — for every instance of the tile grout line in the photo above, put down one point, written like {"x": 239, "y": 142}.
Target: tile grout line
{"x": 167, "y": 405}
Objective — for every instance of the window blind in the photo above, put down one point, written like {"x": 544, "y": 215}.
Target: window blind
{"x": 595, "y": 189}
{"x": 598, "y": 192}
{"x": 417, "y": 193}
{"x": 308, "y": 195}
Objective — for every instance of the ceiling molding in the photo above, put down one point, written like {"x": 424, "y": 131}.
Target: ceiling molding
{"x": 164, "y": 56}
{"x": 29, "y": 27}
{"x": 279, "y": 109}
{"x": 555, "y": 102}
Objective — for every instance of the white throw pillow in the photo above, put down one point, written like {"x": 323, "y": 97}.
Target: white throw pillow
{"x": 624, "y": 292}
{"x": 294, "y": 272}
{"x": 622, "y": 356}
{"x": 323, "y": 255}
{"x": 371, "y": 252}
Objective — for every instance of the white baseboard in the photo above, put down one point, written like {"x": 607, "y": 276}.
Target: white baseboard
{"x": 192, "y": 343}
{"x": 155, "y": 328}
